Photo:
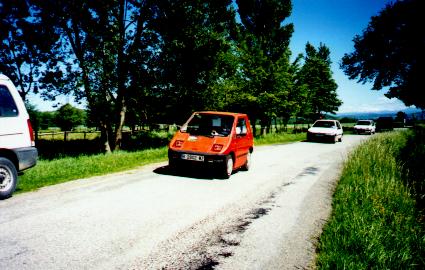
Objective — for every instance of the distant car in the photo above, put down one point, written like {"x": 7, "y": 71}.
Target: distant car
{"x": 17, "y": 146}
{"x": 384, "y": 123}
{"x": 325, "y": 130}
{"x": 219, "y": 140}
{"x": 365, "y": 126}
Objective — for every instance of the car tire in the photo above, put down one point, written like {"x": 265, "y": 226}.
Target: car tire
{"x": 227, "y": 167}
{"x": 248, "y": 162}
{"x": 340, "y": 139}
{"x": 8, "y": 178}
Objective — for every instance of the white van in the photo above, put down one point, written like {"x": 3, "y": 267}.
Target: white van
{"x": 17, "y": 146}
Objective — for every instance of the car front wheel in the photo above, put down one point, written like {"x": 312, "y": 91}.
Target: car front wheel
{"x": 228, "y": 167}
{"x": 8, "y": 178}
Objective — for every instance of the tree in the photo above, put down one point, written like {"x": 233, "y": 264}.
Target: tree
{"x": 400, "y": 116}
{"x": 25, "y": 46}
{"x": 316, "y": 76}
{"x": 67, "y": 117}
{"x": 105, "y": 46}
{"x": 390, "y": 52}
{"x": 194, "y": 38}
{"x": 264, "y": 41}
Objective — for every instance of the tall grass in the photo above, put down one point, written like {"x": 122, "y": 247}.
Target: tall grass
{"x": 374, "y": 224}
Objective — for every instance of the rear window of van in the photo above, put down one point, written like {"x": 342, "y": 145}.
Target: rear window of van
{"x": 7, "y": 104}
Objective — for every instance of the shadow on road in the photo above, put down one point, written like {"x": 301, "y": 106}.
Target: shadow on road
{"x": 194, "y": 173}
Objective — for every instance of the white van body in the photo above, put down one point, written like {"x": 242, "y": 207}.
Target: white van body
{"x": 17, "y": 144}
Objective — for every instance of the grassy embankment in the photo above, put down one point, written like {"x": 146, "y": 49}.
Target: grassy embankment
{"x": 58, "y": 170}
{"x": 376, "y": 221}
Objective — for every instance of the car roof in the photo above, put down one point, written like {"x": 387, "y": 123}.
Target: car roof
{"x": 221, "y": 113}
{"x": 326, "y": 120}
{"x": 4, "y": 77}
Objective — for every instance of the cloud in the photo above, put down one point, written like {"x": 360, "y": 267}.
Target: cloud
{"x": 381, "y": 103}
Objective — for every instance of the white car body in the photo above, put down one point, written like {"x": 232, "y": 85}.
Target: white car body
{"x": 17, "y": 146}
{"x": 330, "y": 130}
{"x": 365, "y": 126}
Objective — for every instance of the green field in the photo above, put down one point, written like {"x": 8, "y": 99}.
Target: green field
{"x": 375, "y": 222}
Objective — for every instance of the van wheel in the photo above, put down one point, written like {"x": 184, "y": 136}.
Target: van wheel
{"x": 8, "y": 178}
{"x": 340, "y": 139}
{"x": 247, "y": 164}
{"x": 227, "y": 168}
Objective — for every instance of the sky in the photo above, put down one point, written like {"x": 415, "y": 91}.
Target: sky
{"x": 333, "y": 23}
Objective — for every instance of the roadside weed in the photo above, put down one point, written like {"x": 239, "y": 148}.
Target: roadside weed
{"x": 374, "y": 224}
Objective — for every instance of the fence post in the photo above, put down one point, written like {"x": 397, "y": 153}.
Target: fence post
{"x": 64, "y": 136}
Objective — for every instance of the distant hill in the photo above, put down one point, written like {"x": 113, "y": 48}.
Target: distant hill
{"x": 410, "y": 112}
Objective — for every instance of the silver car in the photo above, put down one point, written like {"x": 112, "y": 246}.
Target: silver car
{"x": 365, "y": 126}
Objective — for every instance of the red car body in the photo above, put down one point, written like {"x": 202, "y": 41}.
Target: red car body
{"x": 221, "y": 140}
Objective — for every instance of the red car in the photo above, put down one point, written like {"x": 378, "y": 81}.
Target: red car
{"x": 221, "y": 140}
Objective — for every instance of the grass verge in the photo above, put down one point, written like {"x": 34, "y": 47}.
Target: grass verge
{"x": 274, "y": 138}
{"x": 63, "y": 169}
{"x": 50, "y": 172}
{"x": 375, "y": 223}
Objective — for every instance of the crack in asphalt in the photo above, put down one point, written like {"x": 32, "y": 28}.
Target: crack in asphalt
{"x": 231, "y": 237}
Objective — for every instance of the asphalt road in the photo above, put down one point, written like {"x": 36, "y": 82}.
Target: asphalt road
{"x": 266, "y": 218}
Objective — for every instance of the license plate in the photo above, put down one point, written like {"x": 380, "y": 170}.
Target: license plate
{"x": 192, "y": 157}
{"x": 319, "y": 135}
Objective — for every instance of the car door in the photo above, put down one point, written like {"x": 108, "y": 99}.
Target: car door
{"x": 241, "y": 142}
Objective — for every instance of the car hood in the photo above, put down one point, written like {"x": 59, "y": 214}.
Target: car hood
{"x": 198, "y": 143}
{"x": 322, "y": 130}
{"x": 363, "y": 126}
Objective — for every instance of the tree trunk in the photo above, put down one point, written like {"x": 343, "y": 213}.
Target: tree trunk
{"x": 105, "y": 132}
{"x": 119, "y": 127}
{"x": 254, "y": 127}
{"x": 263, "y": 130}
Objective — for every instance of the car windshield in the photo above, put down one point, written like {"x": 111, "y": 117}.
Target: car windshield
{"x": 324, "y": 124}
{"x": 363, "y": 123}
{"x": 209, "y": 125}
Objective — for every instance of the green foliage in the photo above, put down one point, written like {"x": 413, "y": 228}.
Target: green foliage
{"x": 67, "y": 117}
{"x": 347, "y": 120}
{"x": 265, "y": 76}
{"x": 40, "y": 120}
{"x": 105, "y": 48}
{"x": 25, "y": 46}
{"x": 147, "y": 62}
{"x": 412, "y": 157}
{"x": 194, "y": 43}
{"x": 390, "y": 52}
{"x": 374, "y": 224}
{"x": 400, "y": 116}
{"x": 316, "y": 76}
